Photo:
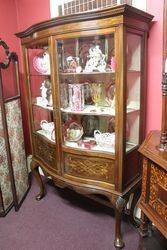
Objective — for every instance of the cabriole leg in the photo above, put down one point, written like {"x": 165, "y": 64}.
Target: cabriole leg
{"x": 35, "y": 170}
{"x": 120, "y": 204}
{"x": 118, "y": 242}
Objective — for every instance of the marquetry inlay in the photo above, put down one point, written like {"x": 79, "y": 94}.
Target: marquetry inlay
{"x": 45, "y": 152}
{"x": 158, "y": 180}
{"x": 144, "y": 180}
{"x": 89, "y": 167}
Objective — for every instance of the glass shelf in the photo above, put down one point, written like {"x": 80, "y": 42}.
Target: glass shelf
{"x": 45, "y": 135}
{"x": 86, "y": 73}
{"x": 93, "y": 110}
{"x": 134, "y": 71}
{"x": 39, "y": 75}
{"x": 130, "y": 146}
{"x": 83, "y": 77}
{"x": 44, "y": 107}
{"x": 96, "y": 148}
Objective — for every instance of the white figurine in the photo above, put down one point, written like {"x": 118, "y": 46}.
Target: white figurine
{"x": 96, "y": 60}
{"x": 44, "y": 94}
{"x": 46, "y": 62}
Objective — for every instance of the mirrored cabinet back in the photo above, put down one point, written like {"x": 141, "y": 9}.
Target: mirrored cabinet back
{"x": 86, "y": 85}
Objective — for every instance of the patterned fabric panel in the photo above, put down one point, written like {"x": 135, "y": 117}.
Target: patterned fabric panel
{"x": 15, "y": 130}
{"x": 1, "y": 207}
{"x": 5, "y": 184}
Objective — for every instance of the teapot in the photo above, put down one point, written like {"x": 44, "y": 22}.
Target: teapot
{"x": 74, "y": 132}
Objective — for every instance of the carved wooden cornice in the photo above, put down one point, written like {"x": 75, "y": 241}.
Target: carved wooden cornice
{"x": 123, "y": 9}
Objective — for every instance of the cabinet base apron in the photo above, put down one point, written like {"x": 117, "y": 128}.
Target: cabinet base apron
{"x": 115, "y": 200}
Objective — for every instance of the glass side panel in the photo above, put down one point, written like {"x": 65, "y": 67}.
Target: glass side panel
{"x": 41, "y": 91}
{"x": 87, "y": 92}
{"x": 133, "y": 90}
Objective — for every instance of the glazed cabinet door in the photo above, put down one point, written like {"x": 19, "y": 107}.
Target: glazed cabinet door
{"x": 86, "y": 87}
{"x": 135, "y": 102}
{"x": 41, "y": 102}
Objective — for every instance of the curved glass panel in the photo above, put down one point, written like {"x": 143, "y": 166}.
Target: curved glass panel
{"x": 87, "y": 92}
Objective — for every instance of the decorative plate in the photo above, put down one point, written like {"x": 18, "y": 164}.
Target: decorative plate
{"x": 41, "y": 63}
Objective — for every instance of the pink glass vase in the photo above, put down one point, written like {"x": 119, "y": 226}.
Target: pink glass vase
{"x": 76, "y": 97}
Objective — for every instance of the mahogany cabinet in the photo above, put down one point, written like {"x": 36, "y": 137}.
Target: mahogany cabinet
{"x": 86, "y": 86}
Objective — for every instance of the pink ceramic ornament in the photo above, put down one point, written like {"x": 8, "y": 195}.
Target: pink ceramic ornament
{"x": 113, "y": 64}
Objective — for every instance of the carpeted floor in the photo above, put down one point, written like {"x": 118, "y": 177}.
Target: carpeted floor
{"x": 63, "y": 220}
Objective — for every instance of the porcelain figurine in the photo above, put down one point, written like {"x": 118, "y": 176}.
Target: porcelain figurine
{"x": 49, "y": 98}
{"x": 46, "y": 94}
{"x": 43, "y": 89}
{"x": 72, "y": 64}
{"x": 96, "y": 60}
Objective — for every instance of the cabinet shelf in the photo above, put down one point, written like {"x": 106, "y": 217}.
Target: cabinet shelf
{"x": 94, "y": 110}
{"x": 39, "y": 75}
{"x": 86, "y": 73}
{"x": 106, "y": 77}
{"x": 43, "y": 107}
{"x": 45, "y": 136}
{"x": 97, "y": 148}
{"x": 86, "y": 152}
{"x": 134, "y": 71}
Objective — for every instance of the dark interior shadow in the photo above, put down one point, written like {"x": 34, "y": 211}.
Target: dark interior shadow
{"x": 77, "y": 200}
{"x": 154, "y": 242}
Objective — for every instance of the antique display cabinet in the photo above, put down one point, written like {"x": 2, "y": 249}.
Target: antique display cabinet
{"x": 86, "y": 85}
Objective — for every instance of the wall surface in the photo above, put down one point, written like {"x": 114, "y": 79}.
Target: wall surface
{"x": 17, "y": 15}
{"x": 28, "y": 13}
{"x": 7, "y": 28}
{"x": 8, "y": 24}
{"x": 155, "y": 45}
